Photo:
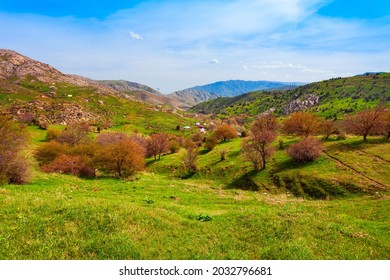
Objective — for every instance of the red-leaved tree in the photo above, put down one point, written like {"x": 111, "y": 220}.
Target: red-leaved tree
{"x": 367, "y": 122}
{"x": 257, "y": 147}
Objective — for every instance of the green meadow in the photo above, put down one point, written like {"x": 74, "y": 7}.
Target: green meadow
{"x": 334, "y": 208}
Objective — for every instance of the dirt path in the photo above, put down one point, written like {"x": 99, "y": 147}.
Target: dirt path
{"x": 382, "y": 186}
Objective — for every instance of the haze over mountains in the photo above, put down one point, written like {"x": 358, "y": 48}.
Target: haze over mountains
{"x": 17, "y": 66}
{"x": 231, "y": 88}
{"x": 40, "y": 86}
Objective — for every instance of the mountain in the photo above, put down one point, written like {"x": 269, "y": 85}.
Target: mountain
{"x": 231, "y": 88}
{"x": 331, "y": 98}
{"x": 142, "y": 92}
{"x": 122, "y": 85}
{"x": 33, "y": 90}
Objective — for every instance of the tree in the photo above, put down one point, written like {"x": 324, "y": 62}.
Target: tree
{"x": 122, "y": 159}
{"x": 211, "y": 142}
{"x": 328, "y": 128}
{"x": 367, "y": 122}
{"x": 302, "y": 124}
{"x": 191, "y": 156}
{"x": 306, "y": 150}
{"x": 13, "y": 164}
{"x": 225, "y": 132}
{"x": 158, "y": 144}
{"x": 387, "y": 124}
{"x": 256, "y": 148}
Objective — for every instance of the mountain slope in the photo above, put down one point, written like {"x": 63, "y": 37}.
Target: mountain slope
{"x": 142, "y": 92}
{"x": 332, "y": 98}
{"x": 231, "y": 88}
{"x": 36, "y": 91}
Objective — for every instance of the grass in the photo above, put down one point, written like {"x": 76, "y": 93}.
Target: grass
{"x": 337, "y": 97}
{"x": 153, "y": 217}
{"x": 224, "y": 211}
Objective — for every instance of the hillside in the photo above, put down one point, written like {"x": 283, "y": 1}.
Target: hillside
{"x": 231, "y": 88}
{"x": 142, "y": 93}
{"x": 225, "y": 211}
{"x": 34, "y": 90}
{"x": 331, "y": 98}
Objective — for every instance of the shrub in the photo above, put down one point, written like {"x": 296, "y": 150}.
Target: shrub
{"x": 47, "y": 152}
{"x": 52, "y": 134}
{"x": 70, "y": 164}
{"x": 13, "y": 165}
{"x": 191, "y": 156}
{"x": 74, "y": 134}
{"x": 211, "y": 142}
{"x": 306, "y": 150}
{"x": 223, "y": 153}
{"x": 281, "y": 144}
{"x": 174, "y": 146}
{"x": 121, "y": 159}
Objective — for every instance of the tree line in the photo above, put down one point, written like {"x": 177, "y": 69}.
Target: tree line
{"x": 73, "y": 151}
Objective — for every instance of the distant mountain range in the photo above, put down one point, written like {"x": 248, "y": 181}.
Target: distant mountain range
{"x": 330, "y": 98}
{"x": 231, "y": 88}
{"x": 30, "y": 87}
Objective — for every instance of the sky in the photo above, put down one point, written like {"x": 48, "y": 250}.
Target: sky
{"x": 175, "y": 44}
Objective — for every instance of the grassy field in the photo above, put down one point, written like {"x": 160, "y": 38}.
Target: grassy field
{"x": 225, "y": 211}
{"x": 154, "y": 217}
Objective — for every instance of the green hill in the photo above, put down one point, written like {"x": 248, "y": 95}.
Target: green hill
{"x": 36, "y": 91}
{"x": 331, "y": 99}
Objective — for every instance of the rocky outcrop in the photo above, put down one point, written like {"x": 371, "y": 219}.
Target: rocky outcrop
{"x": 43, "y": 113}
{"x": 17, "y": 67}
{"x": 302, "y": 103}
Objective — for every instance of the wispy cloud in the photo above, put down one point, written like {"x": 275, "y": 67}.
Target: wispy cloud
{"x": 135, "y": 36}
{"x": 214, "y": 61}
{"x": 262, "y": 39}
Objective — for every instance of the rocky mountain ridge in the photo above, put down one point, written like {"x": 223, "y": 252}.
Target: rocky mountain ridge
{"x": 230, "y": 88}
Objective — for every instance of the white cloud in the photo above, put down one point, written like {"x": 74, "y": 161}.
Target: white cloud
{"x": 214, "y": 61}
{"x": 135, "y": 36}
{"x": 262, "y": 39}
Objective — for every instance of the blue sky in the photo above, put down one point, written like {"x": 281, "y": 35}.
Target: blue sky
{"x": 173, "y": 44}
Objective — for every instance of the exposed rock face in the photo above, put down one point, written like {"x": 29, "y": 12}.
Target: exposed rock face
{"x": 55, "y": 113}
{"x": 300, "y": 104}
{"x": 18, "y": 67}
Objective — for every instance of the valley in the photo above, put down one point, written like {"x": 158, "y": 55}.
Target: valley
{"x": 200, "y": 196}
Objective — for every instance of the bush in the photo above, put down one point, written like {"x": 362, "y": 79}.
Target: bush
{"x": 52, "y": 134}
{"x": 70, "y": 164}
{"x": 191, "y": 156}
{"x": 174, "y": 146}
{"x": 47, "y": 152}
{"x": 211, "y": 142}
{"x": 74, "y": 134}
{"x": 13, "y": 165}
{"x": 121, "y": 159}
{"x": 306, "y": 150}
